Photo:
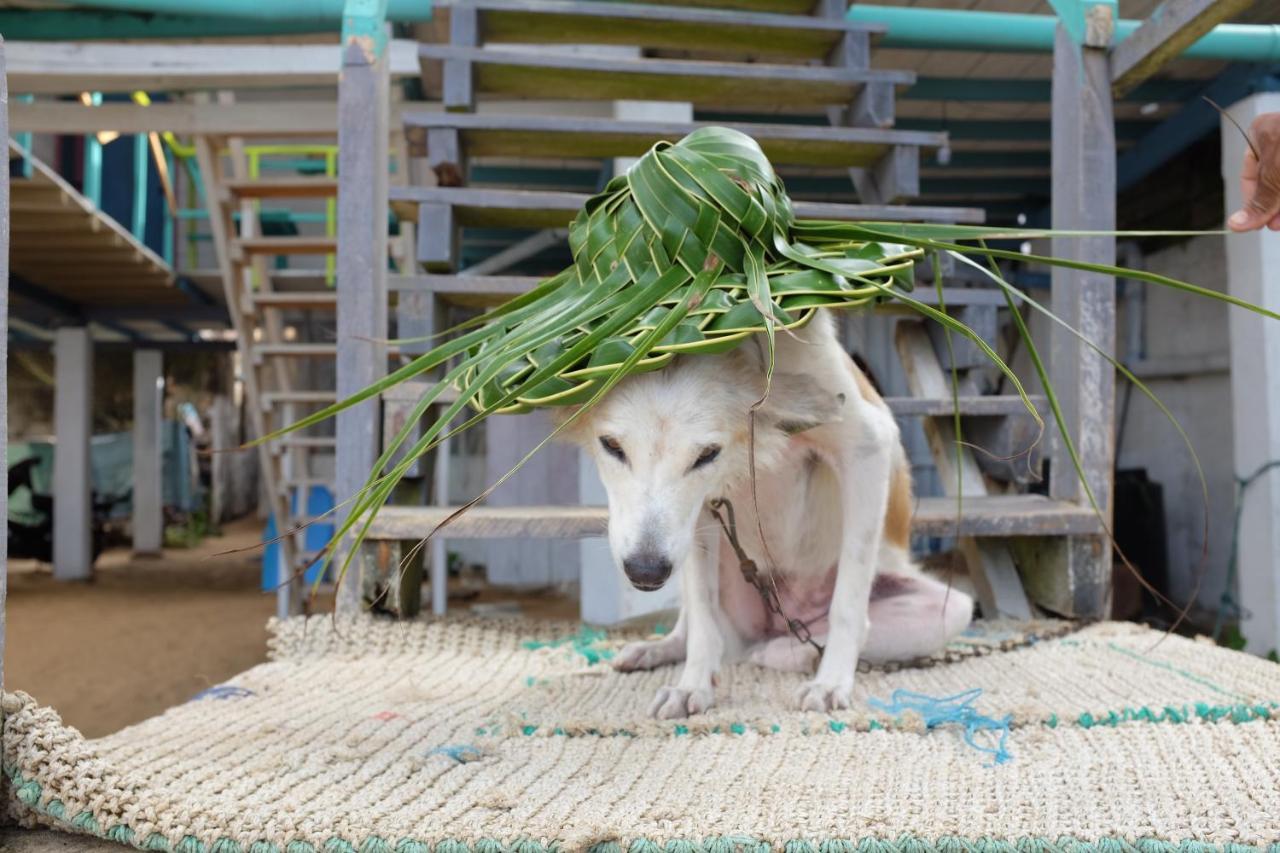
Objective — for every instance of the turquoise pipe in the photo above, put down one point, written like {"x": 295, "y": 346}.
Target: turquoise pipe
{"x": 275, "y": 10}
{"x": 141, "y": 162}
{"x": 963, "y": 29}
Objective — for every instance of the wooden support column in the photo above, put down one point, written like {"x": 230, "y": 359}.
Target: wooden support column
{"x": 1073, "y": 575}
{"x": 363, "y": 98}
{"x": 1252, "y": 264}
{"x": 148, "y": 497}
{"x": 897, "y": 176}
{"x": 72, "y": 480}
{"x": 4, "y": 371}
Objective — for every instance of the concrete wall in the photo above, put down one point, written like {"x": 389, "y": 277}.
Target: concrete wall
{"x": 1184, "y": 362}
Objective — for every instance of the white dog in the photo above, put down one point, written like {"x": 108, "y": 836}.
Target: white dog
{"x": 835, "y": 504}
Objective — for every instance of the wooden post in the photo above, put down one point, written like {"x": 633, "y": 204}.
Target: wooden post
{"x": 1252, "y": 262}
{"x": 148, "y": 497}
{"x": 72, "y": 480}
{"x": 1073, "y": 575}
{"x": 363, "y": 97}
{"x": 4, "y": 367}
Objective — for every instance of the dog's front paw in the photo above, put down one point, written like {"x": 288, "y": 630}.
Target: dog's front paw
{"x": 823, "y": 696}
{"x": 674, "y": 703}
{"x": 648, "y": 654}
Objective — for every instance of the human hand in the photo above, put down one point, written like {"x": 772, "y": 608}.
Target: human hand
{"x": 1260, "y": 177}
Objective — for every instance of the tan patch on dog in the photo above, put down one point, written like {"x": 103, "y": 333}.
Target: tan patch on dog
{"x": 897, "y": 519}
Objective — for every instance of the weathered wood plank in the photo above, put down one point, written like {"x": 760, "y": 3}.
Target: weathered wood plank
{"x": 649, "y": 26}
{"x": 290, "y": 245}
{"x": 292, "y": 187}
{"x": 498, "y": 135}
{"x": 1169, "y": 29}
{"x": 59, "y": 68}
{"x": 500, "y": 208}
{"x": 991, "y": 568}
{"x": 363, "y": 102}
{"x": 1084, "y": 166}
{"x": 262, "y": 118}
{"x": 4, "y": 374}
{"x": 533, "y": 75}
{"x": 993, "y": 515}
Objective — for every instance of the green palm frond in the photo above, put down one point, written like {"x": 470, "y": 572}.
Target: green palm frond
{"x": 692, "y": 251}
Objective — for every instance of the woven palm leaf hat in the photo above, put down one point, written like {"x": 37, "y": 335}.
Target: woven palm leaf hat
{"x": 690, "y": 252}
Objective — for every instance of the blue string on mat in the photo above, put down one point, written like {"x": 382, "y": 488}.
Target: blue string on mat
{"x": 222, "y": 691}
{"x": 461, "y": 753}
{"x": 952, "y": 709}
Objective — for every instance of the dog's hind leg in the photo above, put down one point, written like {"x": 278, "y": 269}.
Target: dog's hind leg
{"x": 785, "y": 654}
{"x": 913, "y": 616}
{"x": 650, "y": 654}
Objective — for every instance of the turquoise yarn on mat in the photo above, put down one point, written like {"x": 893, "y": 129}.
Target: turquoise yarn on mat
{"x": 952, "y": 709}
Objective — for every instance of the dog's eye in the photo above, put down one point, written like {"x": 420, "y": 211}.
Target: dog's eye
{"x": 707, "y": 456}
{"x": 612, "y": 447}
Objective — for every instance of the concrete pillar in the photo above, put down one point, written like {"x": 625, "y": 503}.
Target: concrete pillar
{"x": 148, "y": 497}
{"x": 1252, "y": 263}
{"x": 72, "y": 481}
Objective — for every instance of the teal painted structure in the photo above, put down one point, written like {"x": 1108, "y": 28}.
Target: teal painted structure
{"x": 965, "y": 29}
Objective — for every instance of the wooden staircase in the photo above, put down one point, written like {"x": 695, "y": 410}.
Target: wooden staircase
{"x": 774, "y": 56}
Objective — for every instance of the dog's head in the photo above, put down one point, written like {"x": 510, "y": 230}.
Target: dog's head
{"x": 667, "y": 442}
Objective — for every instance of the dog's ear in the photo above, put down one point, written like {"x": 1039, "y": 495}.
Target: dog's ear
{"x": 797, "y": 403}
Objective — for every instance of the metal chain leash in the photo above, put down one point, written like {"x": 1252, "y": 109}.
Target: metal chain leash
{"x": 751, "y": 573}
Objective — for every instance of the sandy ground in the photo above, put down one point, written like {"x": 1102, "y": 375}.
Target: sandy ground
{"x": 145, "y": 634}
{"x": 149, "y": 633}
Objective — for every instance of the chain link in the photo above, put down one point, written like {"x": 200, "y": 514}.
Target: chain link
{"x": 751, "y": 574}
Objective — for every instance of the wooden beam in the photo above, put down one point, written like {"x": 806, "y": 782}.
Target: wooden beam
{"x": 4, "y": 381}
{"x": 61, "y": 68}
{"x": 650, "y": 26}
{"x": 264, "y": 118}
{"x": 1073, "y": 575}
{"x": 533, "y": 75}
{"x": 994, "y": 515}
{"x": 363, "y": 104}
{"x": 1170, "y": 29}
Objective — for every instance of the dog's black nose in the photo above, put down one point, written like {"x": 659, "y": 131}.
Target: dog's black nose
{"x": 646, "y": 570}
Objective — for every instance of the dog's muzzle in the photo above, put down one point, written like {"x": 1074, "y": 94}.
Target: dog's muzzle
{"x": 647, "y": 571}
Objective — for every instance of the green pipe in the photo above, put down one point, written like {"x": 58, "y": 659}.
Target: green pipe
{"x": 140, "y": 164}
{"x": 962, "y": 29}
{"x": 92, "y": 185}
{"x": 166, "y": 237}
{"x": 316, "y": 11}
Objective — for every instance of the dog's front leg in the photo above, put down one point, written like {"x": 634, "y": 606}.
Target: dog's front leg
{"x": 705, "y": 628}
{"x": 864, "y": 462}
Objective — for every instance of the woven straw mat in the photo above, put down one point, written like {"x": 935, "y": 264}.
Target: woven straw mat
{"x": 504, "y": 735}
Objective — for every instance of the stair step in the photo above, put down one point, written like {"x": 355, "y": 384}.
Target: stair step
{"x": 498, "y": 208}
{"x": 275, "y": 398}
{"x": 485, "y": 291}
{"x": 304, "y": 442}
{"x": 290, "y": 245}
{"x": 307, "y": 350}
{"x": 497, "y": 135}
{"x": 293, "y": 187}
{"x": 993, "y": 405}
{"x": 996, "y": 515}
{"x": 512, "y": 73}
{"x": 294, "y": 300}
{"x": 653, "y": 26}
